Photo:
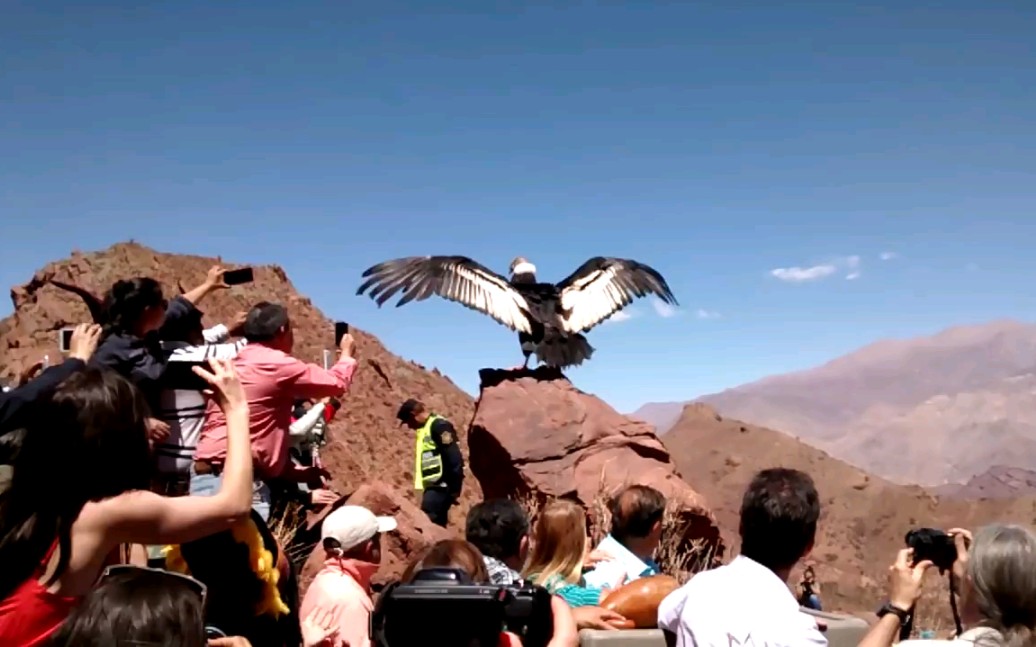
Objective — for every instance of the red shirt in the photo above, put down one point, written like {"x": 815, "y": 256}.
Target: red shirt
{"x": 273, "y": 380}
{"x": 31, "y": 613}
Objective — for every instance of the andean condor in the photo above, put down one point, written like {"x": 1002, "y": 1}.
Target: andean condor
{"x": 548, "y": 317}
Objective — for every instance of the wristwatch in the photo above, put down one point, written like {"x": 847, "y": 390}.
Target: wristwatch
{"x": 888, "y": 607}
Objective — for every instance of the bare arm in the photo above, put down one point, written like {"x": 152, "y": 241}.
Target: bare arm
{"x": 214, "y": 281}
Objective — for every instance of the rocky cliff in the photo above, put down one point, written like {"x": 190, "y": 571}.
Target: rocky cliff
{"x": 366, "y": 444}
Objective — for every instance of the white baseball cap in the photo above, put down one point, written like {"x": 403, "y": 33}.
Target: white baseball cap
{"x": 351, "y": 525}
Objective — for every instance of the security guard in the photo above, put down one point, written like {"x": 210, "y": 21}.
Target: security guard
{"x": 438, "y": 465}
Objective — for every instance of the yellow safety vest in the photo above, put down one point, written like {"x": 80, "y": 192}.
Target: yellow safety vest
{"x": 428, "y": 461}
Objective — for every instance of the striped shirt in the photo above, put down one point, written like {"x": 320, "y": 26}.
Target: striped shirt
{"x": 183, "y": 409}
{"x": 575, "y": 595}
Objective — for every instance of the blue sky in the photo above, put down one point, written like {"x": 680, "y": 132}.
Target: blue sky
{"x": 717, "y": 141}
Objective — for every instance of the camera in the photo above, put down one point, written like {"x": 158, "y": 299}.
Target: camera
{"x": 442, "y": 606}
{"x": 933, "y": 545}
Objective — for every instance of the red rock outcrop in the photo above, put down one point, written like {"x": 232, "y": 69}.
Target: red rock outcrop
{"x": 366, "y": 441}
{"x": 414, "y": 533}
{"x": 535, "y": 433}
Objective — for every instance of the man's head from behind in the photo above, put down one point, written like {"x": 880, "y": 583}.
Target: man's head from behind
{"x": 412, "y": 413}
{"x": 637, "y": 513}
{"x": 354, "y": 532}
{"x": 500, "y": 529}
{"x": 268, "y": 324}
{"x": 779, "y": 516}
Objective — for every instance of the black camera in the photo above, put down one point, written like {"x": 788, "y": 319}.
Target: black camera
{"x": 933, "y": 545}
{"x": 442, "y": 607}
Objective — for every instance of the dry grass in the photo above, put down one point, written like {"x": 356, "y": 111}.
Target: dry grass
{"x": 284, "y": 523}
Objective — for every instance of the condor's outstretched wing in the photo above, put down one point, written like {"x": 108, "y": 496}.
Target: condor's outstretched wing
{"x": 456, "y": 278}
{"x": 93, "y": 303}
{"x": 603, "y": 286}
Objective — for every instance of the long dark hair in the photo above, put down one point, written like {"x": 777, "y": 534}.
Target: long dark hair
{"x": 126, "y": 301}
{"x": 137, "y": 606}
{"x": 87, "y": 442}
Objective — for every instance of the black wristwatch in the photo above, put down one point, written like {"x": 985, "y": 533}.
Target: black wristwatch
{"x": 888, "y": 607}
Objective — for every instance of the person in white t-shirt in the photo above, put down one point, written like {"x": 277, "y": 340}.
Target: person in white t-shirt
{"x": 747, "y": 602}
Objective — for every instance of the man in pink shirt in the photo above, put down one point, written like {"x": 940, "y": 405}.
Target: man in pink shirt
{"x": 273, "y": 379}
{"x": 341, "y": 592}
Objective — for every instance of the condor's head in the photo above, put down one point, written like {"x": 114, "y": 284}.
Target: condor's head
{"x": 522, "y": 271}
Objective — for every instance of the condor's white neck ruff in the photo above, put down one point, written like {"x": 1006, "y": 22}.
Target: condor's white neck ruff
{"x": 524, "y": 268}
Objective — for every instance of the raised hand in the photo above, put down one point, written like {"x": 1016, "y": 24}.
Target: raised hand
{"x": 84, "y": 341}
{"x": 226, "y": 387}
{"x": 318, "y": 628}
{"x": 214, "y": 279}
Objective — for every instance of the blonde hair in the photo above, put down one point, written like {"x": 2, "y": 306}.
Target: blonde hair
{"x": 559, "y": 543}
{"x": 1002, "y": 578}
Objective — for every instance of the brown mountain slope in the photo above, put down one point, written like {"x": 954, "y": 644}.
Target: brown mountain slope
{"x": 998, "y": 482}
{"x": 954, "y": 404}
{"x": 367, "y": 443}
{"x": 864, "y": 517}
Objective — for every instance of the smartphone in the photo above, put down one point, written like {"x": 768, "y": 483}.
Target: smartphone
{"x": 65, "y": 339}
{"x": 341, "y": 330}
{"x": 181, "y": 376}
{"x": 237, "y": 277}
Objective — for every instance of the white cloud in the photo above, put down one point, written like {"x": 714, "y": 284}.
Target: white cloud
{"x": 849, "y": 264}
{"x": 852, "y": 264}
{"x": 888, "y": 256}
{"x": 664, "y": 310}
{"x": 802, "y": 274}
{"x": 620, "y": 316}
{"x": 707, "y": 314}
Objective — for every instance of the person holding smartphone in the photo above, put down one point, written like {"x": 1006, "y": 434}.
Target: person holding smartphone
{"x": 272, "y": 380}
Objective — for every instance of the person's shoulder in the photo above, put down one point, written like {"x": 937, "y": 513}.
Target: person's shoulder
{"x": 443, "y": 431}
{"x": 441, "y": 422}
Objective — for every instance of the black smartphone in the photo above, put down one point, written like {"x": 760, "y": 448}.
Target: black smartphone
{"x": 181, "y": 376}
{"x": 341, "y": 330}
{"x": 237, "y": 277}
{"x": 65, "y": 339}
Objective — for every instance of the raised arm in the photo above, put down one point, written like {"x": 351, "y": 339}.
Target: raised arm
{"x": 308, "y": 421}
{"x": 214, "y": 281}
{"x": 148, "y": 518}
{"x": 17, "y": 403}
{"x": 312, "y": 381}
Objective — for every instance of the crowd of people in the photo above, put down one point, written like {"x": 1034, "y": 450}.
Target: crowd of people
{"x": 139, "y": 476}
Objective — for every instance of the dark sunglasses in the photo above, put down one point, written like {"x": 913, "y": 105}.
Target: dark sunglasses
{"x": 196, "y": 585}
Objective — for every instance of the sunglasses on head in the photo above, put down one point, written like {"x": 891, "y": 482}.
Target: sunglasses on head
{"x": 195, "y": 585}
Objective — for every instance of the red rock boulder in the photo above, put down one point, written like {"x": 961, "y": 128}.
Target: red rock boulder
{"x": 415, "y": 532}
{"x": 534, "y": 433}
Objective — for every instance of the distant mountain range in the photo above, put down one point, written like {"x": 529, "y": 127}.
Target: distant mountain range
{"x": 930, "y": 411}
{"x": 863, "y": 519}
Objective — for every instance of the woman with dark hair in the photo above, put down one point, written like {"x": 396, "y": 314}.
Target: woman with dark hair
{"x": 79, "y": 494}
{"x": 134, "y": 311}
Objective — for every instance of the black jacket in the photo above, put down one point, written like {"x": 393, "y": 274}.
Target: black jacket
{"x": 16, "y": 406}
{"x": 445, "y": 438}
{"x": 142, "y": 361}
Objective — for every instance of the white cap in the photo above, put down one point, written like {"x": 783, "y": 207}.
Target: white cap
{"x": 351, "y": 525}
